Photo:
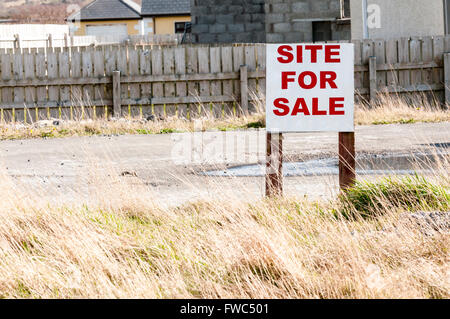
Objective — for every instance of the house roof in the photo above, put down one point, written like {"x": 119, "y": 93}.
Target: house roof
{"x": 165, "y": 7}
{"x": 108, "y": 10}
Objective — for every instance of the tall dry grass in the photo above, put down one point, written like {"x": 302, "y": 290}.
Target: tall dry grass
{"x": 123, "y": 244}
{"x": 396, "y": 109}
{"x": 388, "y": 109}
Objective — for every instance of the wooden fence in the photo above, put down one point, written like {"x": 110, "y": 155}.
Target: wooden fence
{"x": 406, "y": 65}
{"x": 191, "y": 80}
{"x": 78, "y": 82}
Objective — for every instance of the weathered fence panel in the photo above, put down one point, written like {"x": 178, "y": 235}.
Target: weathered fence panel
{"x": 403, "y": 66}
{"x": 190, "y": 80}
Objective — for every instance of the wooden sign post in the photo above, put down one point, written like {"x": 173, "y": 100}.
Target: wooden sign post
{"x": 347, "y": 160}
{"x": 310, "y": 88}
{"x": 274, "y": 164}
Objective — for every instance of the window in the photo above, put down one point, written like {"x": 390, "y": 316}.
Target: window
{"x": 345, "y": 9}
{"x": 181, "y": 27}
{"x": 322, "y": 31}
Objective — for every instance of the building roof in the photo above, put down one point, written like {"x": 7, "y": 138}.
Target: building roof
{"x": 108, "y": 10}
{"x": 165, "y": 7}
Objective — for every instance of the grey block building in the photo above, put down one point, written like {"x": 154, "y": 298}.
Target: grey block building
{"x": 270, "y": 21}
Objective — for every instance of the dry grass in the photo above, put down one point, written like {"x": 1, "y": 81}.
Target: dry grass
{"x": 126, "y": 126}
{"x": 391, "y": 109}
{"x": 388, "y": 110}
{"x": 125, "y": 245}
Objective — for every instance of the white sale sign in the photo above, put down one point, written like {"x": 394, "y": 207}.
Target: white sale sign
{"x": 310, "y": 88}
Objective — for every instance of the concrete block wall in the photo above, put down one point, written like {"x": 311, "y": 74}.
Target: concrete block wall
{"x": 271, "y": 21}
{"x": 227, "y": 21}
{"x": 290, "y": 20}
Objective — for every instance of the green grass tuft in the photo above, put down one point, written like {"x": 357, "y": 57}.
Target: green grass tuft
{"x": 169, "y": 131}
{"x": 396, "y": 121}
{"x": 144, "y": 131}
{"x": 257, "y": 124}
{"x": 412, "y": 193}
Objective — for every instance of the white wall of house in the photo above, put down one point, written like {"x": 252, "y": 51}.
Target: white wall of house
{"x": 33, "y": 31}
{"x": 32, "y": 35}
{"x": 399, "y": 18}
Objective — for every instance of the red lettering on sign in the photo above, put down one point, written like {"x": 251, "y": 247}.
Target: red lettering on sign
{"x": 302, "y": 82}
{"x": 332, "y": 53}
{"x": 328, "y": 77}
{"x": 285, "y": 79}
{"x": 278, "y": 103}
{"x": 299, "y": 54}
{"x": 334, "y": 105}
{"x": 308, "y": 80}
{"x": 284, "y": 51}
{"x": 314, "y": 50}
{"x": 315, "y": 107}
{"x": 300, "y": 107}
{"x": 329, "y": 53}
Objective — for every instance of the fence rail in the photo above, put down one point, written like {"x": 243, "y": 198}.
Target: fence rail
{"x": 192, "y": 80}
